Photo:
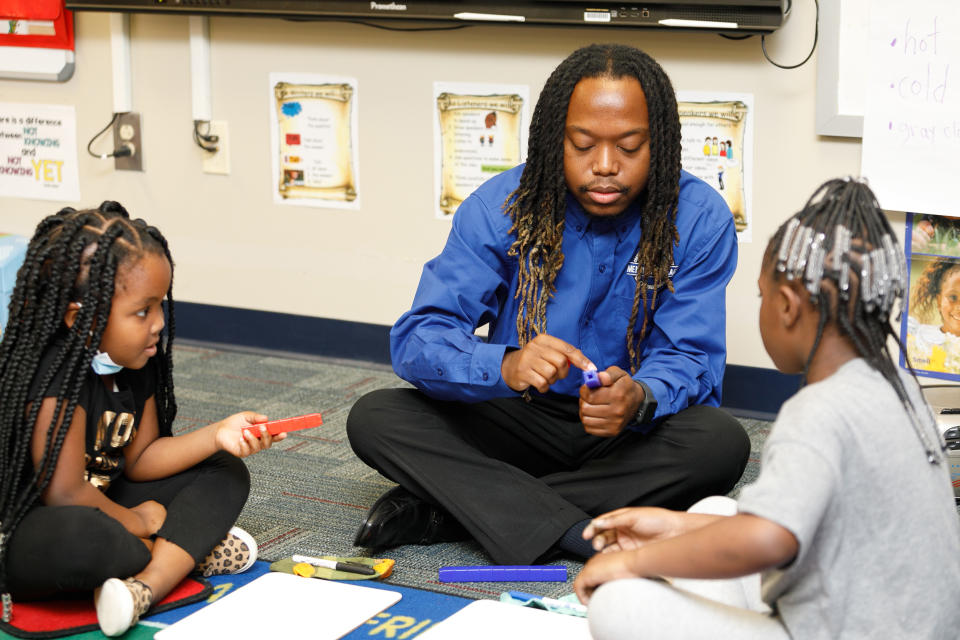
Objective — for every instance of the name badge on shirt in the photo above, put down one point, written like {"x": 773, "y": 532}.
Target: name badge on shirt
{"x": 634, "y": 265}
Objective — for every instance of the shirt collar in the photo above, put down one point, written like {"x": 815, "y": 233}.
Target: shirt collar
{"x": 580, "y": 222}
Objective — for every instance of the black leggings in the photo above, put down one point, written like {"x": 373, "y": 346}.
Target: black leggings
{"x": 74, "y": 549}
{"x": 518, "y": 474}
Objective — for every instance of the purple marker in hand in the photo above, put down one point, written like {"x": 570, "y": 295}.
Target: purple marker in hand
{"x": 591, "y": 379}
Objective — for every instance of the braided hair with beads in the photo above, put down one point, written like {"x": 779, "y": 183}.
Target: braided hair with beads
{"x": 73, "y": 257}
{"x": 537, "y": 206}
{"x": 841, "y": 249}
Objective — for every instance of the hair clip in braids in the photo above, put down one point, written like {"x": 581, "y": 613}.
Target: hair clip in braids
{"x": 866, "y": 283}
{"x": 841, "y": 259}
{"x": 897, "y": 264}
{"x": 884, "y": 283}
{"x": 803, "y": 252}
{"x": 785, "y": 242}
{"x": 793, "y": 256}
{"x": 814, "y": 271}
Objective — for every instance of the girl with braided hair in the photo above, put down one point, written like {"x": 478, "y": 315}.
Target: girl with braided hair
{"x": 851, "y": 521}
{"x": 599, "y": 252}
{"x": 95, "y": 492}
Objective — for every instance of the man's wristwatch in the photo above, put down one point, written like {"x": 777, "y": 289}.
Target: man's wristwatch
{"x": 648, "y": 407}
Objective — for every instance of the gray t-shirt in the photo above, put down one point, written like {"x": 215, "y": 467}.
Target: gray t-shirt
{"x": 879, "y": 536}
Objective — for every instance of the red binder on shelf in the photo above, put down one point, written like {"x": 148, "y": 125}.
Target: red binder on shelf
{"x": 36, "y": 40}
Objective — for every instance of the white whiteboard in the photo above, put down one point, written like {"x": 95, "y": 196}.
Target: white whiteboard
{"x": 485, "y": 619}
{"x": 281, "y": 605}
{"x": 911, "y": 122}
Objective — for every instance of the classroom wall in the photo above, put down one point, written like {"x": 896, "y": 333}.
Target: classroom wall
{"x": 233, "y": 247}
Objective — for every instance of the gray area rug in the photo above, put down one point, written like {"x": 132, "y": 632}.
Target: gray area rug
{"x": 310, "y": 493}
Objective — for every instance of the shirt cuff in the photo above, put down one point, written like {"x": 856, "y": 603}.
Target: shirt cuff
{"x": 485, "y": 367}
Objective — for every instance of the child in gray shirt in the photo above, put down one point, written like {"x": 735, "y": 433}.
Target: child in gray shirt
{"x": 851, "y": 522}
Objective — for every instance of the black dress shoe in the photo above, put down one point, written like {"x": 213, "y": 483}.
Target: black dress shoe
{"x": 399, "y": 517}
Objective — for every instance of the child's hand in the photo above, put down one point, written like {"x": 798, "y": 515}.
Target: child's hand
{"x": 603, "y": 568}
{"x": 632, "y": 527}
{"x": 232, "y": 438}
{"x": 152, "y": 514}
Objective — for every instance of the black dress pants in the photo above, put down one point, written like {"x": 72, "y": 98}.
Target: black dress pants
{"x": 518, "y": 474}
{"x": 62, "y": 549}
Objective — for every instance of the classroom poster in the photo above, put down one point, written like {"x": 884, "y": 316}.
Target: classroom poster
{"x": 716, "y": 131}
{"x": 911, "y": 122}
{"x": 930, "y": 326}
{"x": 313, "y": 131}
{"x": 38, "y": 152}
{"x": 480, "y": 130}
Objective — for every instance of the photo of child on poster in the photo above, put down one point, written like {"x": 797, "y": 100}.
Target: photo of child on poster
{"x": 931, "y": 325}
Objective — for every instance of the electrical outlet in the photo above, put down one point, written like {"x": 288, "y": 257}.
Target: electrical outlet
{"x": 126, "y": 133}
{"x": 218, "y": 161}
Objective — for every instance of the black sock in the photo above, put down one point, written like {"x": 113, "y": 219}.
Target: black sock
{"x": 572, "y": 541}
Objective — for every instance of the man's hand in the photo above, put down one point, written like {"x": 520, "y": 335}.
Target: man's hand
{"x": 540, "y": 363}
{"x": 606, "y": 410}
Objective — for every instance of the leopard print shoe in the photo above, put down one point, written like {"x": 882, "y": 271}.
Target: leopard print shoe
{"x": 235, "y": 554}
{"x": 120, "y": 603}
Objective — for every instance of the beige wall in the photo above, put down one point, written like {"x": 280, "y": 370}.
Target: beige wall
{"x": 234, "y": 247}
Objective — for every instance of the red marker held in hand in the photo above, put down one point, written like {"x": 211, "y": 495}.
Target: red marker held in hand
{"x": 283, "y": 425}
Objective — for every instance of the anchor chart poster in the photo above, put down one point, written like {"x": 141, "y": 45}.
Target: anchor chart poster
{"x": 313, "y": 132}
{"x": 716, "y": 131}
{"x": 480, "y": 131}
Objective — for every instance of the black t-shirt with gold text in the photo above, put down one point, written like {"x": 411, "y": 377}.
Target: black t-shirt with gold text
{"x": 113, "y": 416}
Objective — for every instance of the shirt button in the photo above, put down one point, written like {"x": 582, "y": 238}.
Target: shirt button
{"x": 439, "y": 371}
{"x": 603, "y": 268}
{"x": 579, "y": 227}
{"x": 486, "y": 376}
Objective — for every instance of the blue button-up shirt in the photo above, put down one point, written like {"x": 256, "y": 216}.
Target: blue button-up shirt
{"x": 473, "y": 281}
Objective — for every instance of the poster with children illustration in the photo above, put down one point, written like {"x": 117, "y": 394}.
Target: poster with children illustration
{"x": 716, "y": 132}
{"x": 314, "y": 138}
{"x": 479, "y": 131}
{"x": 930, "y": 328}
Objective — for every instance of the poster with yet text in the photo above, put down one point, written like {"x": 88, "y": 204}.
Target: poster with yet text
{"x": 716, "y": 132}
{"x": 911, "y": 120}
{"x": 38, "y": 152}
{"x": 480, "y": 130}
{"x": 313, "y": 130}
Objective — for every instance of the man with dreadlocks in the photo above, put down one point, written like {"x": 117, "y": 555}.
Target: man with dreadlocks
{"x": 598, "y": 252}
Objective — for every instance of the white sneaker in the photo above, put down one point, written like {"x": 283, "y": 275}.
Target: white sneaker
{"x": 120, "y": 603}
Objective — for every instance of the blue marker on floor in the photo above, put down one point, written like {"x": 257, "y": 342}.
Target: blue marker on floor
{"x": 504, "y": 573}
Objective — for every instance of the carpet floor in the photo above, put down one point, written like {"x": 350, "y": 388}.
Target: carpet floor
{"x": 310, "y": 493}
